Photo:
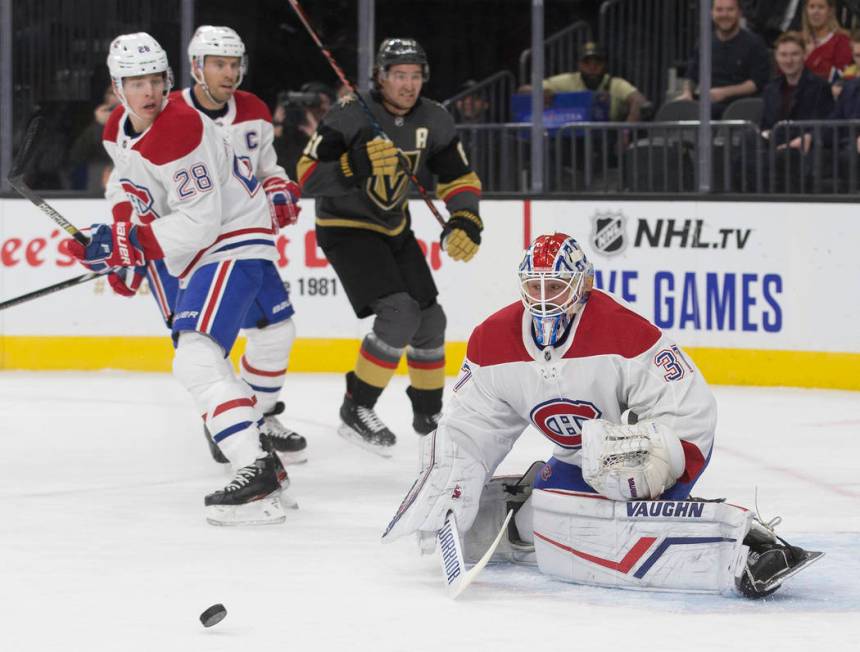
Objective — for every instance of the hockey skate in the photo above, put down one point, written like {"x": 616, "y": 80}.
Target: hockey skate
{"x": 275, "y": 436}
{"x": 217, "y": 455}
{"x": 253, "y": 496}
{"x": 424, "y": 424}
{"x": 771, "y": 560}
{"x": 362, "y": 426}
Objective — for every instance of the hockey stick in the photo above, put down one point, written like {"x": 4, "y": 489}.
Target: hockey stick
{"x": 453, "y": 565}
{"x": 16, "y": 180}
{"x": 35, "y": 294}
{"x": 373, "y": 121}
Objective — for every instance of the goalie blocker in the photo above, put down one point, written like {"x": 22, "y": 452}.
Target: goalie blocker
{"x": 696, "y": 546}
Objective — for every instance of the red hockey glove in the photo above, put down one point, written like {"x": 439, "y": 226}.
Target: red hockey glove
{"x": 284, "y": 198}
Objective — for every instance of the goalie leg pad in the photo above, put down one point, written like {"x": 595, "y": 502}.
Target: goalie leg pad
{"x": 660, "y": 545}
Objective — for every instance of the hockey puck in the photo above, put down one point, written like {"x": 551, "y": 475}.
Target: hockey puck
{"x": 213, "y": 615}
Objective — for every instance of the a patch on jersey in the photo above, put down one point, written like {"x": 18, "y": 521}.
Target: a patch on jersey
{"x": 465, "y": 375}
{"x": 141, "y": 200}
{"x": 243, "y": 170}
{"x": 346, "y": 99}
{"x": 387, "y": 191}
{"x": 561, "y": 419}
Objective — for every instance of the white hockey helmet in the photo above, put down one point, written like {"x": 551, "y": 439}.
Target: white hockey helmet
{"x": 136, "y": 54}
{"x": 215, "y": 41}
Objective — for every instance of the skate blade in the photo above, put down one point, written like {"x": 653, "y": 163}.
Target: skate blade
{"x": 266, "y": 511}
{"x": 809, "y": 557}
{"x": 352, "y": 436}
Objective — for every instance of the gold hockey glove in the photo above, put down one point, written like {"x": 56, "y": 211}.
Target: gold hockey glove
{"x": 461, "y": 236}
{"x": 376, "y": 157}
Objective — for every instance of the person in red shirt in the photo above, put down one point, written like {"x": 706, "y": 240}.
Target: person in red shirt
{"x": 828, "y": 48}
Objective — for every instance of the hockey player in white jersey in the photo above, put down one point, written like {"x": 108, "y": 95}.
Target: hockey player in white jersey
{"x": 190, "y": 202}
{"x": 632, "y": 421}
{"x": 218, "y": 65}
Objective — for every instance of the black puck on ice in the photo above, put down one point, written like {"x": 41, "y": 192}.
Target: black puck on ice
{"x": 213, "y": 615}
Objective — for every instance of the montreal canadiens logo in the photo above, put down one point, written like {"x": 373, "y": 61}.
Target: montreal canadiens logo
{"x": 141, "y": 200}
{"x": 561, "y": 419}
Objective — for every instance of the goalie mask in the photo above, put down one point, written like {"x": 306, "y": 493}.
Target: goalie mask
{"x": 211, "y": 40}
{"x": 132, "y": 55}
{"x": 555, "y": 280}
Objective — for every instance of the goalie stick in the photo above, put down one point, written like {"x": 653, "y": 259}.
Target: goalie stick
{"x": 451, "y": 554}
{"x": 404, "y": 163}
{"x": 16, "y": 180}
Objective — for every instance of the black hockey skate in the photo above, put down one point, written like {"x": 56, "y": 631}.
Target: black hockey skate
{"x": 275, "y": 436}
{"x": 771, "y": 561}
{"x": 361, "y": 426}
{"x": 217, "y": 455}
{"x": 426, "y": 409}
{"x": 252, "y": 497}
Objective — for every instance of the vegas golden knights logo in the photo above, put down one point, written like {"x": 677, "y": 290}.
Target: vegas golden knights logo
{"x": 387, "y": 191}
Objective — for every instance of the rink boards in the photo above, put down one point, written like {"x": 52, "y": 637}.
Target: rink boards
{"x": 757, "y": 293}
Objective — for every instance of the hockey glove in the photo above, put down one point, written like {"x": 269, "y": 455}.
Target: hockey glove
{"x": 377, "y": 157}
{"x": 630, "y": 462}
{"x": 115, "y": 246}
{"x": 461, "y": 236}
{"x": 453, "y": 482}
{"x": 127, "y": 281}
{"x": 283, "y": 196}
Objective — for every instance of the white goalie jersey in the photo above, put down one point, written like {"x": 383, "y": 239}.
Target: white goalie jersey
{"x": 612, "y": 360}
{"x": 181, "y": 177}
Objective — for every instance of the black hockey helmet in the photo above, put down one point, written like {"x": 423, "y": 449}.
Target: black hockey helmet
{"x": 401, "y": 50}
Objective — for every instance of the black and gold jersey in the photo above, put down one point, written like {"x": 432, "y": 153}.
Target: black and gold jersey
{"x": 426, "y": 137}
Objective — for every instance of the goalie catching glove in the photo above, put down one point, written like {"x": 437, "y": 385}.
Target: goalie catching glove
{"x": 452, "y": 481}
{"x": 119, "y": 245}
{"x": 630, "y": 462}
{"x": 461, "y": 236}
{"x": 377, "y": 157}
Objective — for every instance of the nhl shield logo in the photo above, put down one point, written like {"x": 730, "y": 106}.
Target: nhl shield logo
{"x": 610, "y": 232}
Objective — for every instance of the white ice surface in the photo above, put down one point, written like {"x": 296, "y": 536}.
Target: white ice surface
{"x": 103, "y": 544}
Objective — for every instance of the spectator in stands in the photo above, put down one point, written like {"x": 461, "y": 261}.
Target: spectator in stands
{"x": 88, "y": 161}
{"x": 852, "y": 71}
{"x": 828, "y": 48}
{"x": 740, "y": 63}
{"x": 470, "y": 109}
{"x": 796, "y": 94}
{"x": 625, "y": 101}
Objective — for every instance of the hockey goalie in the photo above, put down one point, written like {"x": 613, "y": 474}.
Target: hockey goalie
{"x": 632, "y": 421}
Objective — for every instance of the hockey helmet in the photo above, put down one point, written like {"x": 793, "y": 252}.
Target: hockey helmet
{"x": 136, "y": 54}
{"x": 219, "y": 41}
{"x": 394, "y": 51}
{"x": 555, "y": 281}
